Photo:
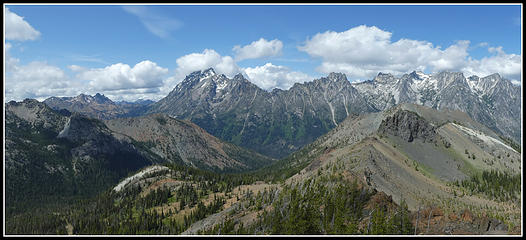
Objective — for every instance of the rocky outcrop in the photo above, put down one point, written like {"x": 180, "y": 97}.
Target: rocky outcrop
{"x": 409, "y": 126}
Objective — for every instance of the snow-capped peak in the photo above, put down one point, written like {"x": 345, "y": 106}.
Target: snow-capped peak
{"x": 208, "y": 73}
{"x": 422, "y": 75}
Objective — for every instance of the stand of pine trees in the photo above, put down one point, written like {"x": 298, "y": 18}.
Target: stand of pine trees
{"x": 495, "y": 184}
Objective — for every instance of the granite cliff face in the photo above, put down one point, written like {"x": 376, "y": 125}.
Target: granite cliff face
{"x": 272, "y": 123}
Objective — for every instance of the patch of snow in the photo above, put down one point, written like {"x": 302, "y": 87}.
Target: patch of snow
{"x": 487, "y": 139}
{"x": 65, "y": 130}
{"x": 422, "y": 75}
{"x": 208, "y": 74}
{"x": 396, "y": 95}
{"x": 138, "y": 175}
{"x": 473, "y": 84}
{"x": 221, "y": 85}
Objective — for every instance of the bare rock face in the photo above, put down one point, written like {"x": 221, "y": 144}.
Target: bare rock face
{"x": 409, "y": 126}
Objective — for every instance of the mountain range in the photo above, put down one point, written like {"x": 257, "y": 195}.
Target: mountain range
{"x": 98, "y": 106}
{"x": 79, "y": 156}
{"x": 221, "y": 155}
{"x": 279, "y": 122}
{"x": 273, "y": 123}
{"x": 406, "y": 157}
{"x": 491, "y": 100}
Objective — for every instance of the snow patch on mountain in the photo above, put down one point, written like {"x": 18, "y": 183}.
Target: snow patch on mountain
{"x": 487, "y": 139}
{"x": 138, "y": 175}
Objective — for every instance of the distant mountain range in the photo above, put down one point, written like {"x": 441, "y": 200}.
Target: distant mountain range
{"x": 280, "y": 122}
{"x": 98, "y": 106}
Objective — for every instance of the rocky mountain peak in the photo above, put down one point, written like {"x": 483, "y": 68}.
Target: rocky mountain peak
{"x": 448, "y": 78}
{"x": 495, "y": 76}
{"x": 474, "y": 78}
{"x": 408, "y": 125}
{"x": 414, "y": 74}
{"x": 336, "y": 77}
{"x": 209, "y": 72}
{"x": 239, "y": 77}
{"x": 384, "y": 78}
{"x": 419, "y": 75}
{"x": 100, "y": 98}
{"x": 86, "y": 99}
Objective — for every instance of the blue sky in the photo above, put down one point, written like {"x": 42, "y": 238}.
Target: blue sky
{"x": 99, "y": 48}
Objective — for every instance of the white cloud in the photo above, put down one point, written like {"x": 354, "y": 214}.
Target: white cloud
{"x": 10, "y": 62}
{"x": 38, "y": 80}
{"x": 134, "y": 94}
{"x": 270, "y": 76}
{"x": 145, "y": 74}
{"x": 507, "y": 65}
{"x": 16, "y": 28}
{"x": 155, "y": 22}
{"x": 192, "y": 62}
{"x": 207, "y": 59}
{"x": 362, "y": 52}
{"x": 258, "y": 49}
{"x": 267, "y": 77}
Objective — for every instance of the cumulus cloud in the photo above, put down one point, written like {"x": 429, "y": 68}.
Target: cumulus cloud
{"x": 134, "y": 94}
{"x": 207, "y": 59}
{"x": 507, "y": 65}
{"x": 270, "y": 76}
{"x": 10, "y": 62}
{"x": 192, "y": 62}
{"x": 119, "y": 81}
{"x": 16, "y": 28}
{"x": 258, "y": 49}
{"x": 267, "y": 77}
{"x": 119, "y": 76}
{"x": 362, "y": 52}
{"x": 158, "y": 24}
{"x": 38, "y": 80}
